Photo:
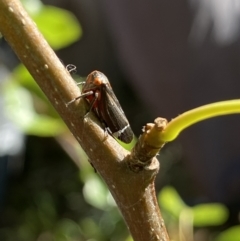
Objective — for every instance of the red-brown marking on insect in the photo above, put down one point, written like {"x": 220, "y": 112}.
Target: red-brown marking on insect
{"x": 97, "y": 81}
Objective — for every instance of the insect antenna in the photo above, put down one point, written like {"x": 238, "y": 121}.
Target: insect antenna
{"x": 72, "y": 69}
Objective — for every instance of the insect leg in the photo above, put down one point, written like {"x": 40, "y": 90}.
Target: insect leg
{"x": 106, "y": 131}
{"x": 117, "y": 134}
{"x": 79, "y": 97}
{"x": 81, "y": 83}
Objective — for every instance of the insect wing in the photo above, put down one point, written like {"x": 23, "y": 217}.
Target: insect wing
{"x": 112, "y": 114}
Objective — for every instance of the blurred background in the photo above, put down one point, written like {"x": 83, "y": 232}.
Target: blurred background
{"x": 162, "y": 58}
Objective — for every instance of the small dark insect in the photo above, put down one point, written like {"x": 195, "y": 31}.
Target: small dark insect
{"x": 99, "y": 94}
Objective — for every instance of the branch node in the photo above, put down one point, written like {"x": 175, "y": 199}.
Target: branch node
{"x": 148, "y": 145}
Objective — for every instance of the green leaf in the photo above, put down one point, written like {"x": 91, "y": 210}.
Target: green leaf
{"x": 19, "y": 108}
{"x": 60, "y": 27}
{"x": 96, "y": 193}
{"x": 209, "y": 214}
{"x": 24, "y": 78}
{"x": 170, "y": 201}
{"x": 67, "y": 230}
{"x": 91, "y": 229}
{"x": 231, "y": 234}
{"x": 128, "y": 146}
{"x": 129, "y": 238}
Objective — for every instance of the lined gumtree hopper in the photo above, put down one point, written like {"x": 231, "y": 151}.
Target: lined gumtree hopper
{"x": 99, "y": 94}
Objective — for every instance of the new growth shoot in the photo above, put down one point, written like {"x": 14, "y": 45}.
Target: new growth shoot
{"x": 193, "y": 116}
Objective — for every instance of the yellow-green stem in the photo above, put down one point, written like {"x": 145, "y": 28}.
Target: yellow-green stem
{"x": 198, "y": 114}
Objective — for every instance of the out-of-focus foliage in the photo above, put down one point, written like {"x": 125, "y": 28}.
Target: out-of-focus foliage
{"x": 171, "y": 202}
{"x": 231, "y": 234}
{"x": 183, "y": 219}
{"x": 212, "y": 214}
{"x": 27, "y": 106}
{"x": 96, "y": 193}
{"x": 59, "y": 27}
{"x": 20, "y": 109}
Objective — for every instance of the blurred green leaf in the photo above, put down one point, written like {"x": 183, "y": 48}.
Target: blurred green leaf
{"x": 46, "y": 211}
{"x": 96, "y": 193}
{"x": 209, "y": 214}
{"x": 19, "y": 108}
{"x": 91, "y": 229}
{"x": 67, "y": 230}
{"x": 231, "y": 234}
{"x": 24, "y": 232}
{"x": 212, "y": 214}
{"x": 23, "y": 77}
{"x": 32, "y": 6}
{"x": 60, "y": 27}
{"x": 170, "y": 201}
{"x": 128, "y": 146}
{"x": 129, "y": 238}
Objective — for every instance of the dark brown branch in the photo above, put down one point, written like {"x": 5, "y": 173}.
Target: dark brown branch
{"x": 133, "y": 191}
